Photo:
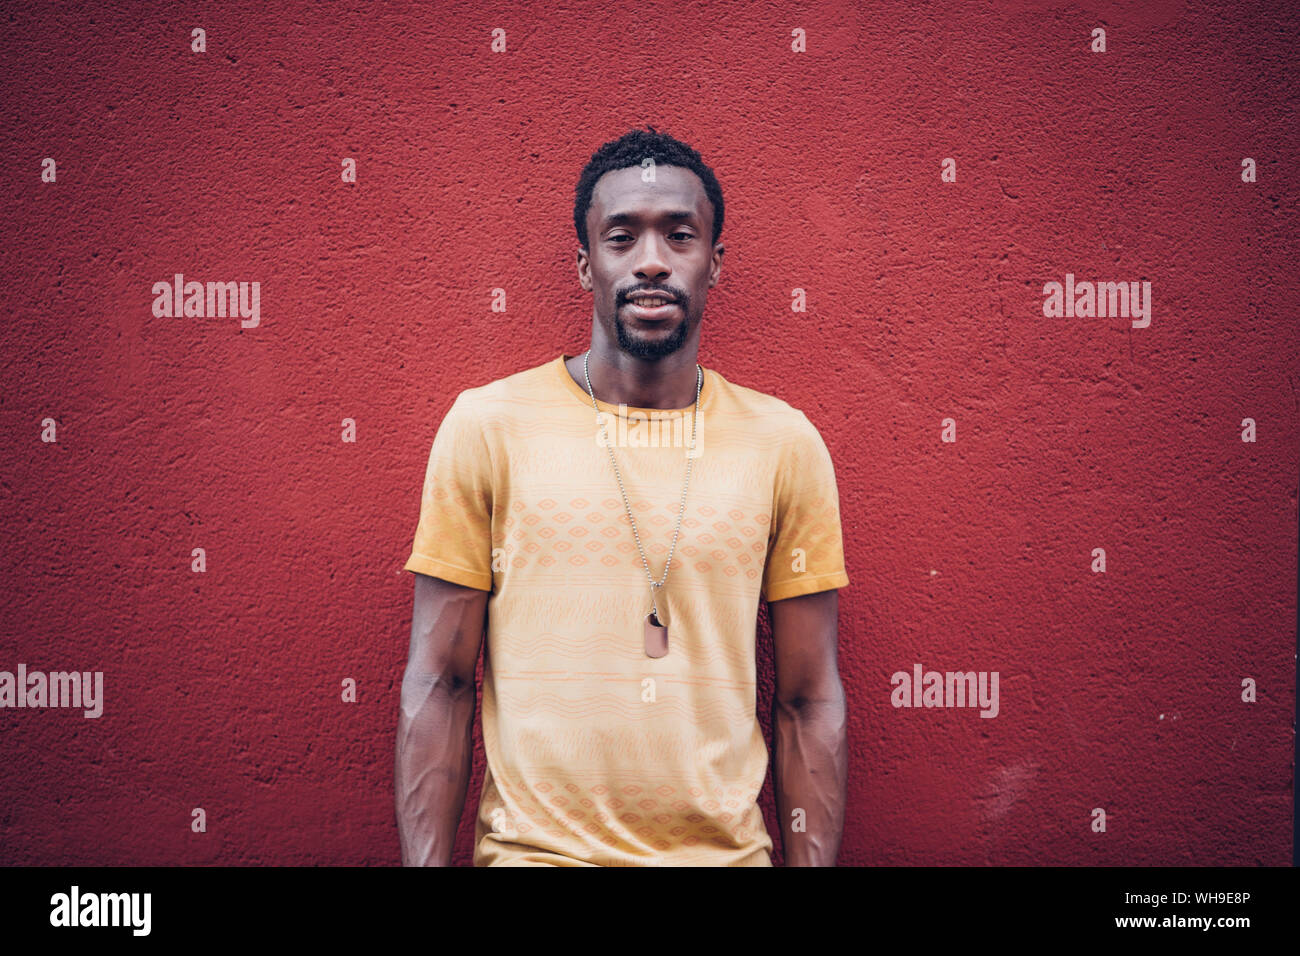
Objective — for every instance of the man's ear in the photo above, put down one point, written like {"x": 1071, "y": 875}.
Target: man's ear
{"x": 584, "y": 269}
{"x": 716, "y": 270}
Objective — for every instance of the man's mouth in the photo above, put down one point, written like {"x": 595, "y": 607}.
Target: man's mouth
{"x": 651, "y": 305}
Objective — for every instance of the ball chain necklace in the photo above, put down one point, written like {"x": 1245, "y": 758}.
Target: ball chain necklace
{"x": 656, "y": 622}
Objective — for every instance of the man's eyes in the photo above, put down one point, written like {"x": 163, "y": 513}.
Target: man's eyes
{"x": 683, "y": 235}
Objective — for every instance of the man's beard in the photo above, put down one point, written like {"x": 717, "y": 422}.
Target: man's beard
{"x": 639, "y": 348}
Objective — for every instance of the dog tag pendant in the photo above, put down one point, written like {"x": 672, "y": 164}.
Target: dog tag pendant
{"x": 656, "y": 637}
{"x": 656, "y": 631}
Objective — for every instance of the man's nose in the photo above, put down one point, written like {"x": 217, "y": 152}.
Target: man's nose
{"x": 651, "y": 261}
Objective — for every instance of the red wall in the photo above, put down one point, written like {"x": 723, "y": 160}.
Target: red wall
{"x": 1119, "y": 690}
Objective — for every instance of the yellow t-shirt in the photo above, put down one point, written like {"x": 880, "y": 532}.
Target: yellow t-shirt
{"x": 597, "y": 753}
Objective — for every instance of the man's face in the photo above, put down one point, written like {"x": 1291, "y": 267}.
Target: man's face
{"x": 651, "y": 239}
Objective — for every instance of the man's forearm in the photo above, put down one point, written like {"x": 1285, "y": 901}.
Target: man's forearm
{"x": 810, "y": 771}
{"x": 434, "y": 754}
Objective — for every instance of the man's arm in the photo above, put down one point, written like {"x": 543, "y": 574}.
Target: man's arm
{"x": 435, "y": 725}
{"x": 810, "y": 765}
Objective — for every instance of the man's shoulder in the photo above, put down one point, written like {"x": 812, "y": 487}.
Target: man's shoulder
{"x": 774, "y": 412}
{"x": 511, "y": 391}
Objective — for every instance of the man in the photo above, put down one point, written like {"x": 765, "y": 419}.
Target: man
{"x": 615, "y": 517}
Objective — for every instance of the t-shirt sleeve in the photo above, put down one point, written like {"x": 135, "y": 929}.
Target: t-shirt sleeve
{"x": 453, "y": 539}
{"x": 806, "y": 553}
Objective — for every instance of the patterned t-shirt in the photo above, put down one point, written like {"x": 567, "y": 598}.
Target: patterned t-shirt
{"x": 596, "y": 752}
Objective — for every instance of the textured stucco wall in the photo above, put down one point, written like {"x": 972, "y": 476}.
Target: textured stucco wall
{"x": 1119, "y": 690}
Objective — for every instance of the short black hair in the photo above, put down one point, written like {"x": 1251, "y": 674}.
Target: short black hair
{"x": 629, "y": 150}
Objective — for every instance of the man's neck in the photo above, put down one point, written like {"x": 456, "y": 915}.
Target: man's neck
{"x": 622, "y": 379}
